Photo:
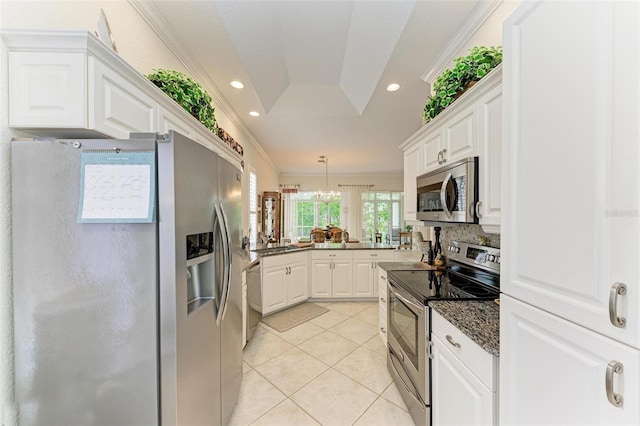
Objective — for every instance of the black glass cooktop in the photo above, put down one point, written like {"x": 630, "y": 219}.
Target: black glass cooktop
{"x": 457, "y": 282}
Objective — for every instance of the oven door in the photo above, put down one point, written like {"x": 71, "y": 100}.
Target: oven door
{"x": 448, "y": 194}
{"x": 406, "y": 336}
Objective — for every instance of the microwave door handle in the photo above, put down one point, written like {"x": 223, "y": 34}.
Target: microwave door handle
{"x": 443, "y": 196}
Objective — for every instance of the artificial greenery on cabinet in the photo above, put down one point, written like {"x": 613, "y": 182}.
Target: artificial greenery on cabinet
{"x": 188, "y": 93}
{"x": 454, "y": 81}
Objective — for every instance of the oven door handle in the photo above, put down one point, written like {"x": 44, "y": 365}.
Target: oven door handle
{"x": 404, "y": 299}
{"x": 443, "y": 196}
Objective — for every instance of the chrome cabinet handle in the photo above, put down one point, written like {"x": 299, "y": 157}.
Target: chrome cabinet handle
{"x": 383, "y": 277}
{"x": 439, "y": 156}
{"x": 383, "y": 300}
{"x": 430, "y": 349}
{"x": 444, "y": 159}
{"x": 616, "y": 289}
{"x": 384, "y": 330}
{"x": 614, "y": 367}
{"x": 453, "y": 342}
{"x": 478, "y": 205}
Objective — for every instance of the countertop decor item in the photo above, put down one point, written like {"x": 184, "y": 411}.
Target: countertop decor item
{"x": 188, "y": 93}
{"x": 454, "y": 81}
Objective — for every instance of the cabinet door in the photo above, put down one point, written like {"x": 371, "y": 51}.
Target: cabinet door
{"x": 553, "y": 371}
{"x": 117, "y": 107}
{"x": 490, "y": 130}
{"x": 342, "y": 278}
{"x": 571, "y": 174}
{"x": 459, "y": 397}
{"x": 321, "y": 273}
{"x": 168, "y": 121}
{"x": 298, "y": 283}
{"x": 460, "y": 136}
{"x": 382, "y": 304}
{"x": 47, "y": 89}
{"x": 274, "y": 291}
{"x": 411, "y": 171}
{"x": 363, "y": 278}
{"x": 431, "y": 150}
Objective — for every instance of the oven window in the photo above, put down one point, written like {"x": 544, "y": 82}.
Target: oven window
{"x": 404, "y": 326}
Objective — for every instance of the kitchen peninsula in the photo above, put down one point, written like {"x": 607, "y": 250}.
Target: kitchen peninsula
{"x": 319, "y": 272}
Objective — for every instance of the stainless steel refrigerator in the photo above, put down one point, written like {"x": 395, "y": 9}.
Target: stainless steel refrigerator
{"x": 126, "y": 282}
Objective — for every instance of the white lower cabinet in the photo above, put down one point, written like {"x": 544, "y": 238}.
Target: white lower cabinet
{"x": 284, "y": 281}
{"x": 464, "y": 378}
{"x": 382, "y": 304}
{"x": 365, "y": 276}
{"x": 331, "y": 273}
{"x": 554, "y": 372}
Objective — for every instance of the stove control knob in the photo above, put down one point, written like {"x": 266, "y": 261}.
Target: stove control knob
{"x": 498, "y": 259}
{"x": 458, "y": 250}
{"x": 491, "y": 258}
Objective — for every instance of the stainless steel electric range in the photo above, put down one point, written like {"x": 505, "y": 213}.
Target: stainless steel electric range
{"x": 472, "y": 273}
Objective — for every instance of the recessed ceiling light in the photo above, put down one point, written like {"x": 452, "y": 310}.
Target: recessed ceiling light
{"x": 254, "y": 114}
{"x": 237, "y": 84}
{"x": 393, "y": 87}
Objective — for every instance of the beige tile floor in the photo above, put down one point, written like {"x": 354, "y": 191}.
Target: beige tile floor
{"x": 330, "y": 371}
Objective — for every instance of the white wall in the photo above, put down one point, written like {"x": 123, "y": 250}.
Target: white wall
{"x": 490, "y": 34}
{"x": 138, "y": 45}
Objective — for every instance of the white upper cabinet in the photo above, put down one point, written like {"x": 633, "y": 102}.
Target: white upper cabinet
{"x": 571, "y": 221}
{"x": 469, "y": 127}
{"x": 115, "y": 106}
{"x": 490, "y": 170}
{"x": 48, "y": 89}
{"x": 68, "y": 84}
{"x": 460, "y": 136}
{"x": 412, "y": 168}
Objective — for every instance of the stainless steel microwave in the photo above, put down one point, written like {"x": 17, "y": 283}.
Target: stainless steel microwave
{"x": 449, "y": 194}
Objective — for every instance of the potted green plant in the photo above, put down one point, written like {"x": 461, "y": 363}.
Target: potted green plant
{"x": 188, "y": 93}
{"x": 454, "y": 81}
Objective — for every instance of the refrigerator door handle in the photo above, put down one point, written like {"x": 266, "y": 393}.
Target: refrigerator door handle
{"x": 227, "y": 243}
{"x": 218, "y": 286}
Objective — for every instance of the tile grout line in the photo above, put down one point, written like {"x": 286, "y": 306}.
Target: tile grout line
{"x": 278, "y": 334}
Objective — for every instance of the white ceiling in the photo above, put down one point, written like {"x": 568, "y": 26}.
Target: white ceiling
{"x": 317, "y": 72}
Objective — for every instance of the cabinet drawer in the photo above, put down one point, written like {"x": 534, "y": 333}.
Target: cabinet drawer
{"x": 375, "y": 255}
{"x": 332, "y": 254}
{"x": 480, "y": 362}
{"x": 284, "y": 259}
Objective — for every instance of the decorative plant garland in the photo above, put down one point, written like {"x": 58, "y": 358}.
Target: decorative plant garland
{"x": 453, "y": 81}
{"x": 194, "y": 99}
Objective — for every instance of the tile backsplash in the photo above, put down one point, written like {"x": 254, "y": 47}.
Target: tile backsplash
{"x": 465, "y": 233}
{"x": 469, "y": 234}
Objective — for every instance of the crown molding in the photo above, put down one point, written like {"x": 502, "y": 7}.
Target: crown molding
{"x": 160, "y": 26}
{"x": 473, "y": 23}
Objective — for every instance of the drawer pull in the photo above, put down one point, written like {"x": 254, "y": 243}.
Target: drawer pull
{"x": 384, "y": 330}
{"x": 382, "y": 299}
{"x": 382, "y": 277}
{"x": 453, "y": 342}
{"x": 614, "y": 367}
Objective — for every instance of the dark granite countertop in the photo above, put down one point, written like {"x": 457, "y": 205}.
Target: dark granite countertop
{"x": 404, "y": 266}
{"x": 478, "y": 320}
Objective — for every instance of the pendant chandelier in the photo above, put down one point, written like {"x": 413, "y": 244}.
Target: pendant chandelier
{"x": 326, "y": 196}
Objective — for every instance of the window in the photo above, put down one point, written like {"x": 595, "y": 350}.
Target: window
{"x": 310, "y": 213}
{"x": 253, "y": 208}
{"x": 381, "y": 216}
